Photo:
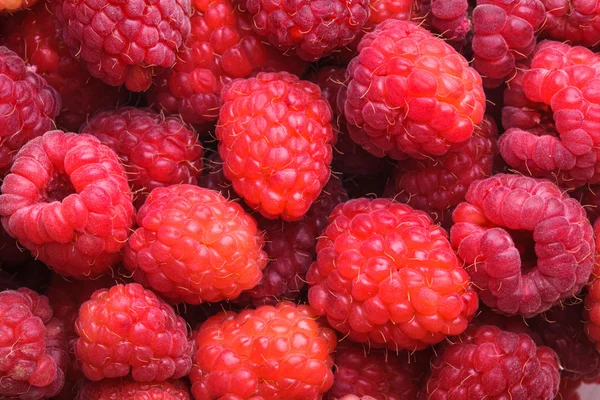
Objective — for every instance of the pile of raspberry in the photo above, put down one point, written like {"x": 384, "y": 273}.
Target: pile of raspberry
{"x": 299, "y": 199}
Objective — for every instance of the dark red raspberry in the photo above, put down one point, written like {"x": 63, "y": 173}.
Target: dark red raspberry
{"x": 33, "y": 349}
{"x": 193, "y": 246}
{"x": 493, "y": 364}
{"x": 526, "y": 245}
{"x": 27, "y": 106}
{"x": 576, "y": 22}
{"x": 157, "y": 151}
{"x": 592, "y": 299}
{"x": 386, "y": 274}
{"x": 278, "y": 352}
{"x": 32, "y": 35}
{"x": 589, "y": 197}
{"x": 124, "y": 42}
{"x": 424, "y": 99}
{"x": 67, "y": 200}
{"x": 568, "y": 389}
{"x": 354, "y": 397}
{"x": 213, "y": 178}
{"x": 313, "y": 29}
{"x": 274, "y": 136}
{"x": 122, "y": 389}
{"x": 222, "y": 47}
{"x": 129, "y": 329}
{"x": 382, "y": 10}
{"x": 331, "y": 80}
{"x": 11, "y": 6}
{"x": 446, "y": 17}
{"x": 437, "y": 185}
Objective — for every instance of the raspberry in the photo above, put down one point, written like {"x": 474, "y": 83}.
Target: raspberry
{"x": 67, "y": 201}
{"x": 354, "y": 397}
{"x": 222, "y": 47}
{"x": 436, "y": 185}
{"x": 157, "y": 151}
{"x": 193, "y": 245}
{"x": 128, "y": 328}
{"x": 382, "y": 10}
{"x": 410, "y": 93}
{"x": 504, "y": 32}
{"x": 27, "y": 106}
{"x": 274, "y": 136}
{"x": 576, "y": 22}
{"x": 313, "y": 29}
{"x": 10, "y": 6}
{"x": 446, "y": 17}
{"x": 589, "y": 197}
{"x": 331, "y": 80}
{"x": 120, "y": 389}
{"x": 33, "y": 348}
{"x": 386, "y": 275}
{"x": 592, "y": 299}
{"x": 525, "y": 243}
{"x": 493, "y": 364}
{"x": 568, "y": 389}
{"x": 124, "y": 42}
{"x": 278, "y": 352}
{"x": 32, "y": 35}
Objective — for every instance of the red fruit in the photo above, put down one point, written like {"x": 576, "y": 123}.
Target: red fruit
{"x": 33, "y": 348}
{"x": 10, "y": 6}
{"x": 124, "y": 42}
{"x": 129, "y": 329}
{"x": 269, "y": 353}
{"x": 32, "y": 35}
{"x": 193, "y": 246}
{"x": 526, "y": 245}
{"x": 592, "y": 299}
{"x": 576, "y": 22}
{"x": 120, "y": 389}
{"x": 67, "y": 201}
{"x": 424, "y": 100}
{"x": 213, "y": 178}
{"x": 27, "y": 106}
{"x": 446, "y": 17}
{"x": 568, "y": 389}
{"x": 386, "y": 275}
{"x": 354, "y": 397}
{"x": 589, "y": 197}
{"x": 388, "y": 9}
{"x": 157, "y": 151}
{"x": 274, "y": 136}
{"x": 493, "y": 364}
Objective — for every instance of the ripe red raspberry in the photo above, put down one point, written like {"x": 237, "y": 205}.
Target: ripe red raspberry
{"x": 278, "y": 352}
{"x": 425, "y": 99}
{"x": 526, "y": 245}
{"x": 33, "y": 348}
{"x": 274, "y": 136}
{"x": 67, "y": 200}
{"x": 493, "y": 364}
{"x": 313, "y": 29}
{"x": 386, "y": 275}
{"x": 129, "y": 329}
{"x": 589, "y": 197}
{"x": 222, "y": 47}
{"x": 575, "y": 22}
{"x": 32, "y": 35}
{"x": 446, "y": 17}
{"x": 157, "y": 151}
{"x": 124, "y": 42}
{"x": 124, "y": 389}
{"x": 193, "y": 246}
{"x": 10, "y": 6}
{"x": 436, "y": 185}
{"x": 27, "y": 106}
{"x": 354, "y": 397}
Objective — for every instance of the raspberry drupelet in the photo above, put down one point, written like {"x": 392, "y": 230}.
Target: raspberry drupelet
{"x": 527, "y": 246}
{"x": 11, "y": 6}
{"x": 574, "y": 22}
{"x": 125, "y": 389}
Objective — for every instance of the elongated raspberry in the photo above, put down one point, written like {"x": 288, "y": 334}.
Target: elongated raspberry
{"x": 157, "y": 151}
{"x": 525, "y": 243}
{"x": 271, "y": 352}
{"x": 410, "y": 93}
{"x": 11, "y": 6}
{"x": 575, "y": 22}
{"x": 386, "y": 275}
{"x": 193, "y": 245}
{"x": 124, "y": 42}
{"x": 124, "y": 389}
{"x": 33, "y": 348}
{"x": 274, "y": 136}
{"x": 67, "y": 200}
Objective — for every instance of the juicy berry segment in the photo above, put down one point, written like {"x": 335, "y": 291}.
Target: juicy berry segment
{"x": 125, "y": 389}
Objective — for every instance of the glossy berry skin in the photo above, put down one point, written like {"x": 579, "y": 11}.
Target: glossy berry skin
{"x": 125, "y": 389}
{"x": 525, "y": 243}
{"x": 67, "y": 201}
{"x": 313, "y": 29}
{"x": 386, "y": 274}
{"x": 493, "y": 364}
{"x": 274, "y": 135}
{"x": 410, "y": 94}
{"x": 128, "y": 329}
{"x": 33, "y": 348}
{"x": 382, "y": 10}
{"x": 272, "y": 352}
{"x": 124, "y": 42}
{"x": 193, "y": 246}
{"x": 156, "y": 150}
{"x": 11, "y": 6}
{"x": 575, "y": 22}
{"x": 27, "y": 106}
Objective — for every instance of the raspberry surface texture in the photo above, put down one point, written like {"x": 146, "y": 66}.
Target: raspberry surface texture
{"x": 274, "y": 135}
{"x": 592, "y": 299}
{"x": 386, "y": 274}
{"x": 193, "y": 246}
{"x": 410, "y": 93}
{"x": 526, "y": 245}
{"x": 278, "y": 352}
{"x": 448, "y": 18}
{"x": 574, "y": 22}
{"x": 124, "y": 389}
{"x": 67, "y": 200}
{"x": 124, "y": 42}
